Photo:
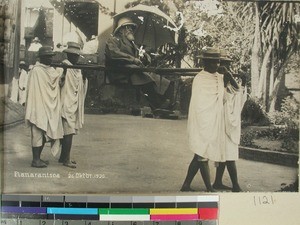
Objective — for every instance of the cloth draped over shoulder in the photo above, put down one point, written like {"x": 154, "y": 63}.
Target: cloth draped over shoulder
{"x": 73, "y": 94}
{"x": 235, "y": 100}
{"x": 214, "y": 122}
{"x": 43, "y": 107}
{"x": 121, "y": 52}
{"x": 206, "y": 127}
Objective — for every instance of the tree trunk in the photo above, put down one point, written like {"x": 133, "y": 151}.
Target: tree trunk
{"x": 255, "y": 55}
{"x": 263, "y": 75}
{"x": 280, "y": 74}
{"x": 271, "y": 82}
{"x": 274, "y": 94}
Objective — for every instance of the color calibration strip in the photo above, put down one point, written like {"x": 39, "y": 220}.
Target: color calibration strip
{"x": 96, "y": 209}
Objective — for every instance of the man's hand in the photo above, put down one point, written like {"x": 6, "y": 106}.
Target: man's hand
{"x": 228, "y": 77}
{"x": 223, "y": 70}
{"x": 148, "y": 57}
{"x": 226, "y": 74}
{"x": 243, "y": 77}
{"x": 137, "y": 62}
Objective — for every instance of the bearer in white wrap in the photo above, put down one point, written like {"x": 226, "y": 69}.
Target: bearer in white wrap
{"x": 206, "y": 120}
{"x": 43, "y": 107}
{"x": 73, "y": 92}
{"x": 235, "y": 97}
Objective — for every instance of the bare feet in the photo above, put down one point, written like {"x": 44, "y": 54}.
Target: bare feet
{"x": 221, "y": 187}
{"x": 187, "y": 189}
{"x": 237, "y": 189}
{"x": 45, "y": 161}
{"x": 38, "y": 164}
{"x": 69, "y": 164}
{"x": 211, "y": 190}
{"x": 72, "y": 161}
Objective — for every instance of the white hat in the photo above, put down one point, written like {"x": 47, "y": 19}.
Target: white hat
{"x": 124, "y": 21}
{"x": 36, "y": 39}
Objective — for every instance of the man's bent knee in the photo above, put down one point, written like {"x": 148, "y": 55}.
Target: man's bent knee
{"x": 200, "y": 158}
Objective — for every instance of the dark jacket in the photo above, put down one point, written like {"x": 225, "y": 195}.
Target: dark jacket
{"x": 121, "y": 52}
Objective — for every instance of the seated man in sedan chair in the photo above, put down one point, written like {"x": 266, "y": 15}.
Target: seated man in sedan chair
{"x": 122, "y": 51}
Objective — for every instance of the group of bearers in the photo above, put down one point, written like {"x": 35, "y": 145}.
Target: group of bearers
{"x": 55, "y": 97}
{"x": 55, "y": 104}
{"x": 214, "y": 120}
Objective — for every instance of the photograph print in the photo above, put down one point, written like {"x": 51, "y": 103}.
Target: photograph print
{"x": 151, "y": 97}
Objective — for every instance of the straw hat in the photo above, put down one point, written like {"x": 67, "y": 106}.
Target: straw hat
{"x": 36, "y": 39}
{"x": 22, "y": 62}
{"x": 46, "y": 51}
{"x": 210, "y": 53}
{"x": 224, "y": 56}
{"x": 124, "y": 21}
{"x": 73, "y": 48}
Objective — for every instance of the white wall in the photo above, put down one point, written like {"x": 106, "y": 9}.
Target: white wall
{"x": 62, "y": 27}
{"x": 30, "y": 20}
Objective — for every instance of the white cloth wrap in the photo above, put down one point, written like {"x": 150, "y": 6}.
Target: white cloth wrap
{"x": 73, "y": 95}
{"x": 235, "y": 100}
{"x": 206, "y": 128}
{"x": 43, "y": 107}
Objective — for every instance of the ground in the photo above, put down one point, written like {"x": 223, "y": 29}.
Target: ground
{"x": 124, "y": 154}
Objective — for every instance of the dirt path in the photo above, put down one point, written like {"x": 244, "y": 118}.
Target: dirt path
{"x": 123, "y": 154}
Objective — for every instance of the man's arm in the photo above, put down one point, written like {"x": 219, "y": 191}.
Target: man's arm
{"x": 228, "y": 78}
{"x": 114, "y": 53}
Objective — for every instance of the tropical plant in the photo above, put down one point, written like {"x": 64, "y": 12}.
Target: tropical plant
{"x": 275, "y": 40}
{"x": 259, "y": 36}
{"x": 222, "y": 24}
{"x": 288, "y": 116}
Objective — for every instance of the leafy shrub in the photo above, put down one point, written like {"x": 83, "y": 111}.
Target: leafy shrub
{"x": 288, "y": 120}
{"x": 288, "y": 116}
{"x": 285, "y": 127}
{"x": 247, "y": 138}
{"x": 254, "y": 114}
{"x": 289, "y": 142}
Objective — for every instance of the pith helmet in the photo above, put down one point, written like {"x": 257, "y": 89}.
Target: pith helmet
{"x": 124, "y": 21}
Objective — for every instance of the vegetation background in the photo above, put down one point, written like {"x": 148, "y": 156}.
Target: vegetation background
{"x": 262, "y": 38}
